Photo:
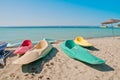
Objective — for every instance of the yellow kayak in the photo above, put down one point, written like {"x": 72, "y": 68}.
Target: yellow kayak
{"x": 81, "y": 41}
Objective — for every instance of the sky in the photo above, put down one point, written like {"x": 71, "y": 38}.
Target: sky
{"x": 57, "y": 12}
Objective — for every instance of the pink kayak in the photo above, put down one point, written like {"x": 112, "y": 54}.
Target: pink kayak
{"x": 24, "y": 47}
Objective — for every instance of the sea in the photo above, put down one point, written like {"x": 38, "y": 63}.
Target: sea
{"x": 18, "y": 34}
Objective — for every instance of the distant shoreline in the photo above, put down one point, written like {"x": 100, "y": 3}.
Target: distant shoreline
{"x": 49, "y": 26}
{"x": 54, "y": 27}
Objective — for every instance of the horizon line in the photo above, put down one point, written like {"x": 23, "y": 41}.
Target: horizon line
{"x": 52, "y": 26}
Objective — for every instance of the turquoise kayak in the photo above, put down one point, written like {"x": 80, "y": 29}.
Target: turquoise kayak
{"x": 77, "y": 52}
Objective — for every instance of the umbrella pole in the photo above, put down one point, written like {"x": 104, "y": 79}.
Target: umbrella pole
{"x": 112, "y": 29}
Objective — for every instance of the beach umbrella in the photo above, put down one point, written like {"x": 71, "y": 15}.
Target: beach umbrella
{"x": 111, "y": 21}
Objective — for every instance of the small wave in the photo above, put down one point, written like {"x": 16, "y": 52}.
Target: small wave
{"x": 34, "y": 42}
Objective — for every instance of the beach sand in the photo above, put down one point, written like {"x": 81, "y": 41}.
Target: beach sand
{"x": 58, "y": 66}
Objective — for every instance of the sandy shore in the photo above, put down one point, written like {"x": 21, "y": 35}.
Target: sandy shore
{"x": 58, "y": 66}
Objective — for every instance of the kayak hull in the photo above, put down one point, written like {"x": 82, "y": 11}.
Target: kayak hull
{"x": 39, "y": 51}
{"x": 82, "y": 42}
{"x": 77, "y": 52}
{"x": 3, "y": 45}
{"x": 24, "y": 47}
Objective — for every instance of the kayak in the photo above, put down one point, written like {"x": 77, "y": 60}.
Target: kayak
{"x": 24, "y": 47}
{"x": 39, "y": 51}
{"x": 82, "y": 42}
{"x": 79, "y": 53}
{"x": 3, "y": 45}
{"x": 3, "y": 56}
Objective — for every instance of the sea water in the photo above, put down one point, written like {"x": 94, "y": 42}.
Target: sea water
{"x": 18, "y": 34}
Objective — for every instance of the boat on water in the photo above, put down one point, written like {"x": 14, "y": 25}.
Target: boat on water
{"x": 39, "y": 51}
{"x": 77, "y": 52}
{"x": 3, "y": 45}
{"x": 104, "y": 26}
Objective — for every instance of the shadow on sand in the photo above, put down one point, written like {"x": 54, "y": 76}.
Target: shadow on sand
{"x": 92, "y": 48}
{"x": 101, "y": 67}
{"x": 36, "y": 66}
